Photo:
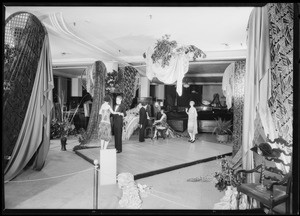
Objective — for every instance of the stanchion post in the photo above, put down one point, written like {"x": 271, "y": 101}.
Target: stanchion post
{"x": 95, "y": 191}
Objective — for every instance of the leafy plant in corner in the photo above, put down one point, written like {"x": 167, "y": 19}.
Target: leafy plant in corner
{"x": 222, "y": 127}
{"x": 225, "y": 177}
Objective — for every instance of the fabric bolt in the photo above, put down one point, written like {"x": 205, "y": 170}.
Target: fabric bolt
{"x": 89, "y": 72}
{"x": 281, "y": 102}
{"x": 238, "y": 105}
{"x": 253, "y": 76}
{"x": 129, "y": 85}
{"x": 192, "y": 121}
{"x": 178, "y": 66}
{"x": 34, "y": 135}
{"x": 227, "y": 84}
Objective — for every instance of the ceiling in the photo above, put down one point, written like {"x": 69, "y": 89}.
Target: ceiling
{"x": 80, "y": 36}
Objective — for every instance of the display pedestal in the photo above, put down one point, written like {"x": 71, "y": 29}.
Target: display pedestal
{"x": 108, "y": 167}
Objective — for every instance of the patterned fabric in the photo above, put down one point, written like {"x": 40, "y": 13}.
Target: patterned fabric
{"x": 105, "y": 131}
{"x": 90, "y": 78}
{"x": 129, "y": 87}
{"x": 281, "y": 39}
{"x": 281, "y": 42}
{"x": 238, "y": 105}
{"x": 105, "y": 115}
{"x": 130, "y": 122}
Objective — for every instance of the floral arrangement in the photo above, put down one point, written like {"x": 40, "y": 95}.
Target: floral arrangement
{"x": 61, "y": 128}
{"x": 225, "y": 177}
{"x": 113, "y": 81}
{"x": 166, "y": 49}
{"x": 130, "y": 196}
{"x": 64, "y": 126}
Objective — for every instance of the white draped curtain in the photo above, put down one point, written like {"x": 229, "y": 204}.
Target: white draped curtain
{"x": 257, "y": 83}
{"x": 34, "y": 136}
{"x": 178, "y": 66}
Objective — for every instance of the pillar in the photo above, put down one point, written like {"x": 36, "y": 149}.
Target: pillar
{"x": 76, "y": 87}
{"x": 144, "y": 87}
{"x": 160, "y": 92}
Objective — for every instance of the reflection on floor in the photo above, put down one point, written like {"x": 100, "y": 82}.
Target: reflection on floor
{"x": 157, "y": 156}
{"x": 66, "y": 182}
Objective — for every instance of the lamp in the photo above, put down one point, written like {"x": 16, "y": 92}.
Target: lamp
{"x": 266, "y": 151}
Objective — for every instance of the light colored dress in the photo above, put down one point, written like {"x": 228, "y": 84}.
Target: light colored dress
{"x": 192, "y": 121}
{"x": 105, "y": 126}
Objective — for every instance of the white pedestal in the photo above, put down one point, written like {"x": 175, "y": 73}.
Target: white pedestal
{"x": 108, "y": 167}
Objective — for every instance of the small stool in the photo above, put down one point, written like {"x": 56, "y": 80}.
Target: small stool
{"x": 161, "y": 132}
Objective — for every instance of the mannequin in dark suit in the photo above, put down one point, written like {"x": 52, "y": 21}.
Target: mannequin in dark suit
{"x": 118, "y": 123}
{"x": 142, "y": 122}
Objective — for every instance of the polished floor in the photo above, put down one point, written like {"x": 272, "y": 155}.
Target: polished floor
{"x": 154, "y": 156}
{"x": 66, "y": 182}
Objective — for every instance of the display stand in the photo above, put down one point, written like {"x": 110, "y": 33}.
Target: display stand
{"x": 108, "y": 166}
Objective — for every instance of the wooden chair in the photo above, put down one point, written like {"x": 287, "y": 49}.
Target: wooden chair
{"x": 274, "y": 187}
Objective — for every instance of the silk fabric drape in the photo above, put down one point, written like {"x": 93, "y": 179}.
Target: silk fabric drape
{"x": 34, "y": 136}
{"x": 178, "y": 66}
{"x": 257, "y": 83}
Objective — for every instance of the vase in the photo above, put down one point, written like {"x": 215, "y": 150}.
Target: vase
{"x": 222, "y": 138}
{"x": 63, "y": 143}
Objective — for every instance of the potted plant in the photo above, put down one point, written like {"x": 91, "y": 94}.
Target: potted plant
{"x": 224, "y": 178}
{"x": 222, "y": 130}
{"x": 62, "y": 127}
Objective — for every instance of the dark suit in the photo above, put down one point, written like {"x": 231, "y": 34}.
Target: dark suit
{"x": 143, "y": 121}
{"x": 118, "y": 127}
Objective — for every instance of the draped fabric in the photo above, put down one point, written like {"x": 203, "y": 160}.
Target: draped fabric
{"x": 34, "y": 136}
{"x": 238, "y": 105}
{"x": 178, "y": 66}
{"x": 281, "y": 103}
{"x": 227, "y": 84}
{"x": 257, "y": 84}
{"x": 90, "y": 77}
{"x": 130, "y": 122}
{"x": 129, "y": 88}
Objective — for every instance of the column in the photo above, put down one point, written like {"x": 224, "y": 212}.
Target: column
{"x": 76, "y": 87}
{"x": 145, "y": 87}
{"x": 160, "y": 92}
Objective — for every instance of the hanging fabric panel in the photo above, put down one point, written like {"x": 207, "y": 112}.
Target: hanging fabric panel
{"x": 90, "y": 77}
{"x": 174, "y": 72}
{"x": 34, "y": 137}
{"x": 227, "y": 84}
{"x": 129, "y": 79}
{"x": 238, "y": 104}
{"x": 281, "y": 40}
{"x": 257, "y": 84}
